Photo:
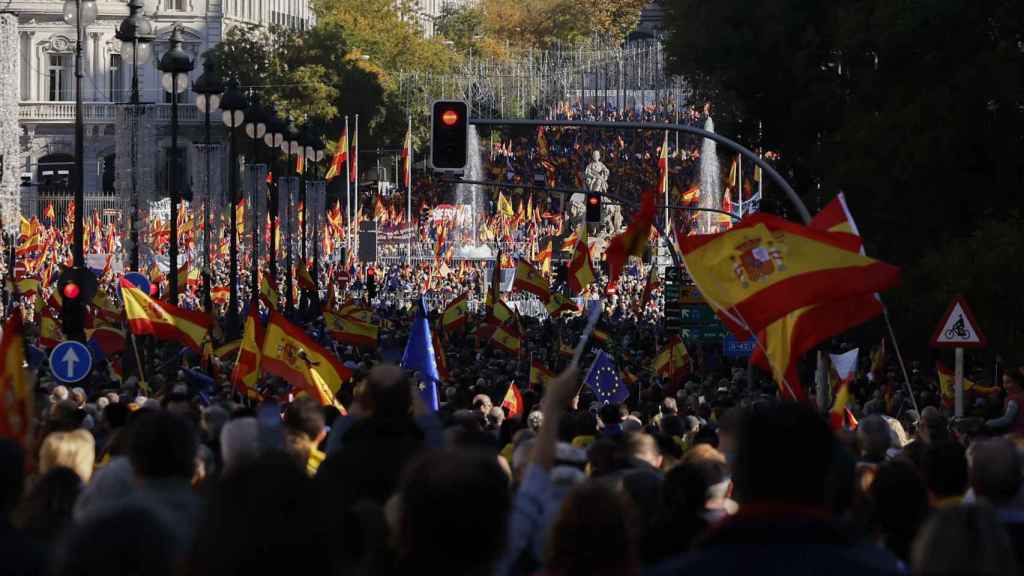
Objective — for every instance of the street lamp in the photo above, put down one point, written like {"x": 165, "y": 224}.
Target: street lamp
{"x": 233, "y": 104}
{"x": 273, "y": 139}
{"x": 208, "y": 88}
{"x": 290, "y": 146}
{"x": 80, "y": 14}
{"x": 255, "y": 129}
{"x": 175, "y": 65}
{"x": 136, "y": 30}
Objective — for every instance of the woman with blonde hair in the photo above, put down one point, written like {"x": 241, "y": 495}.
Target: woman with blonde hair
{"x": 75, "y": 450}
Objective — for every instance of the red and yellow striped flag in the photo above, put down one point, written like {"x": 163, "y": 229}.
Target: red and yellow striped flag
{"x": 164, "y": 320}
{"x": 506, "y": 336}
{"x": 581, "y": 271}
{"x": 539, "y": 375}
{"x": 560, "y": 304}
{"x": 766, "y": 267}
{"x": 671, "y": 361}
{"x": 340, "y": 154}
{"x": 246, "y": 373}
{"x": 456, "y": 314}
{"x": 513, "y": 401}
{"x": 348, "y": 330}
{"x": 290, "y": 353}
{"x": 529, "y": 279}
{"x": 15, "y": 386}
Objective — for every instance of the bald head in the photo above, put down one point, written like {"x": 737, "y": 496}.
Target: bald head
{"x": 996, "y": 470}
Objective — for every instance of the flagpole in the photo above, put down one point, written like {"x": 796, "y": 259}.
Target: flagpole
{"x": 355, "y": 187}
{"x": 348, "y": 193}
{"x": 408, "y": 193}
{"x": 739, "y": 183}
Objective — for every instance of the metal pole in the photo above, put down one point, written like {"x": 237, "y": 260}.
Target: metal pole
{"x": 791, "y": 194}
{"x": 174, "y": 190}
{"x": 255, "y": 220}
{"x": 408, "y": 197}
{"x": 134, "y": 224}
{"x": 286, "y": 234}
{"x": 233, "y": 243}
{"x": 207, "y": 270}
{"x": 272, "y": 210}
{"x": 348, "y": 192}
{"x": 78, "y": 245}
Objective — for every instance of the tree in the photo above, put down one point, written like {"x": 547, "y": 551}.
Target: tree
{"x": 462, "y": 24}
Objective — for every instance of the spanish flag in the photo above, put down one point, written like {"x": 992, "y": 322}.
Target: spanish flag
{"x": 226, "y": 350}
{"x": 633, "y": 241}
{"x": 246, "y": 373}
{"x": 513, "y": 401}
{"x": 560, "y": 304}
{"x": 220, "y": 294}
{"x": 407, "y": 157}
{"x": 507, "y": 337}
{"x": 529, "y": 279}
{"x": 543, "y": 258}
{"x": 671, "y": 361}
{"x": 947, "y": 385}
{"x": 844, "y": 366}
{"x": 787, "y": 339}
{"x": 340, "y": 153}
{"x": 49, "y": 330}
{"x": 500, "y": 313}
{"x": 539, "y": 375}
{"x": 581, "y": 271}
{"x": 304, "y": 279}
{"x": 766, "y": 267}
{"x": 455, "y": 314}
{"x": 15, "y": 386}
{"x": 290, "y": 353}
{"x": 352, "y": 309}
{"x": 268, "y": 293}
{"x": 348, "y": 330}
{"x": 439, "y": 356}
{"x": 162, "y": 319}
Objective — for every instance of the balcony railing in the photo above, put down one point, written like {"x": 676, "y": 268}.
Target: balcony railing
{"x": 96, "y": 112}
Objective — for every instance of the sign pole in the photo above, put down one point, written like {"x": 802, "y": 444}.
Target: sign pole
{"x": 958, "y": 382}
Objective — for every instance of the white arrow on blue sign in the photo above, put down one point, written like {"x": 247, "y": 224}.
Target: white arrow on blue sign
{"x": 70, "y": 362}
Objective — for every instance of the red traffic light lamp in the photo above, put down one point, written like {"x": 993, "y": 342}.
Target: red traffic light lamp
{"x": 593, "y": 208}
{"x": 71, "y": 291}
{"x": 449, "y": 117}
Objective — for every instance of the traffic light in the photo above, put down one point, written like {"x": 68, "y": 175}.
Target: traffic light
{"x": 77, "y": 287}
{"x": 449, "y": 125}
{"x": 593, "y": 208}
{"x": 371, "y": 284}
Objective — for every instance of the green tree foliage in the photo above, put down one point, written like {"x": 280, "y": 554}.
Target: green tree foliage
{"x": 914, "y": 109}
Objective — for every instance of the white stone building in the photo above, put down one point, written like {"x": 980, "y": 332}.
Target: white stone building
{"x": 43, "y": 66}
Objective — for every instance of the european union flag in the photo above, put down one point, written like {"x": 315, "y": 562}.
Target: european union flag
{"x": 419, "y": 356}
{"x": 603, "y": 378}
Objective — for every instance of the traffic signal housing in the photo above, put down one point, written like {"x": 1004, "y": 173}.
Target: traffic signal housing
{"x": 593, "y": 208}
{"x": 449, "y": 128}
{"x": 77, "y": 287}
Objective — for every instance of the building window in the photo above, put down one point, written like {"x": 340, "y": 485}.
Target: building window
{"x": 59, "y": 72}
{"x": 177, "y": 5}
{"x": 116, "y": 79}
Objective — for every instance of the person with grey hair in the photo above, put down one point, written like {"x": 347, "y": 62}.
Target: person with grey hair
{"x": 875, "y": 438}
{"x": 534, "y": 420}
{"x": 239, "y": 443}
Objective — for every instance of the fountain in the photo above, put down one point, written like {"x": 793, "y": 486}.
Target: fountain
{"x": 470, "y": 194}
{"x": 710, "y": 182}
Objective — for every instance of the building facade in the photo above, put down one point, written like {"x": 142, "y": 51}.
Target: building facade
{"x": 45, "y": 69}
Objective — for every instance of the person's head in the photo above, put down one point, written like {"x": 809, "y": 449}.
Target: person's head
{"x": 784, "y": 454}
{"x": 610, "y": 415}
{"x": 239, "y": 443}
{"x": 387, "y": 393}
{"x": 995, "y": 472}
{"x": 454, "y": 486}
{"x": 669, "y": 406}
{"x": 592, "y": 534}
{"x": 304, "y": 421}
{"x": 963, "y": 540}
{"x": 46, "y": 510}
{"x": 1013, "y": 380}
{"x": 163, "y": 446}
{"x": 899, "y": 504}
{"x": 933, "y": 426}
{"x": 945, "y": 470}
{"x": 645, "y": 448}
{"x": 874, "y": 437}
{"x": 75, "y": 450}
{"x": 495, "y": 417}
{"x": 483, "y": 404}
{"x": 177, "y": 402}
{"x": 116, "y": 541}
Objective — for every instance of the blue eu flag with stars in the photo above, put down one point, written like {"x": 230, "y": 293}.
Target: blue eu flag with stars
{"x": 419, "y": 355}
{"x": 603, "y": 378}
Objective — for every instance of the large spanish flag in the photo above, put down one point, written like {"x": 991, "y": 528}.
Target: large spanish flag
{"x": 268, "y": 291}
{"x": 164, "y": 320}
{"x": 456, "y": 314}
{"x": 349, "y": 330}
{"x": 513, "y": 401}
{"x": 15, "y": 387}
{"x": 353, "y": 309}
{"x": 539, "y": 375}
{"x": 507, "y": 337}
{"x": 529, "y": 279}
{"x": 581, "y": 271}
{"x": 766, "y": 267}
{"x": 787, "y": 339}
{"x": 290, "y": 353}
{"x": 246, "y": 373}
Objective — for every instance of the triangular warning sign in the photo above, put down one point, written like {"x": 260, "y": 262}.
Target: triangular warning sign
{"x": 958, "y": 328}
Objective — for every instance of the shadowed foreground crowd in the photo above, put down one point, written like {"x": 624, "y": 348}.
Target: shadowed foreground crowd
{"x": 164, "y": 487}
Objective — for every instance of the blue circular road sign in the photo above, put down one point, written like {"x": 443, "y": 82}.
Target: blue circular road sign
{"x": 70, "y": 361}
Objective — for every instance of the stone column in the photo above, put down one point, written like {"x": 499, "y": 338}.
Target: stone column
{"x": 10, "y": 82}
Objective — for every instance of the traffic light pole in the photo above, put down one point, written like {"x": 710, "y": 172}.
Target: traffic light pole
{"x": 801, "y": 209}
